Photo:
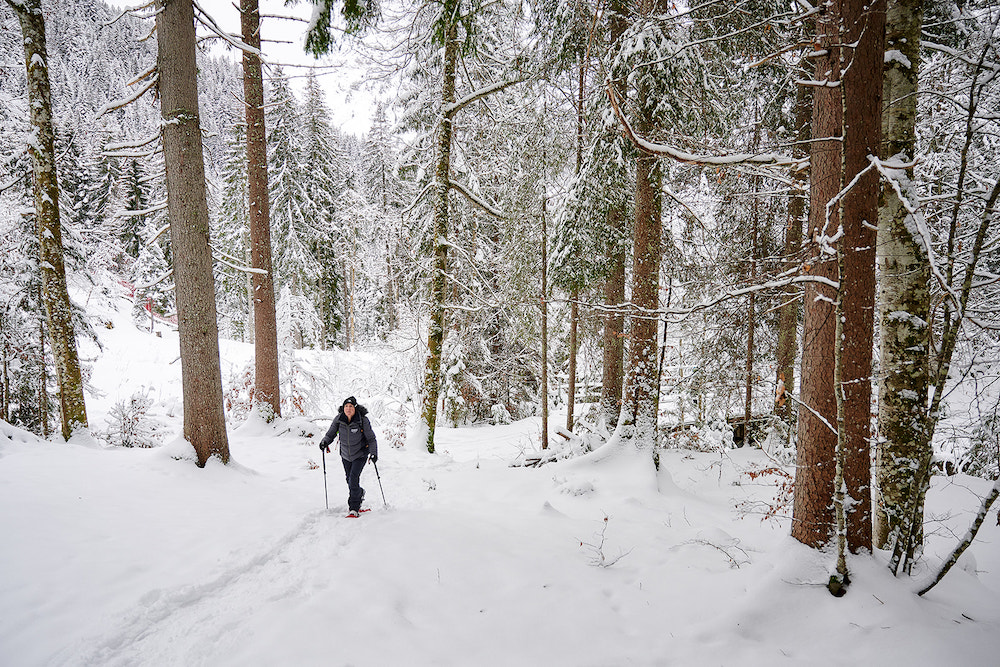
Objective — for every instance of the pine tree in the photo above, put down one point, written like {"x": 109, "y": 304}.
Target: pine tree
{"x": 232, "y": 242}
{"x": 267, "y": 394}
{"x": 204, "y": 419}
{"x": 154, "y": 287}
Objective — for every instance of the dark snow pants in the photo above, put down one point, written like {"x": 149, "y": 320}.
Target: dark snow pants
{"x": 352, "y": 470}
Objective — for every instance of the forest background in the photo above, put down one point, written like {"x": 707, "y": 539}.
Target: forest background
{"x": 670, "y": 268}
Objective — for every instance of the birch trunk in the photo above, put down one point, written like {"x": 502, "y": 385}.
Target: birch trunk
{"x": 58, "y": 313}
{"x": 187, "y": 207}
{"x": 267, "y": 387}
{"x": 904, "y": 296}
{"x": 840, "y": 579}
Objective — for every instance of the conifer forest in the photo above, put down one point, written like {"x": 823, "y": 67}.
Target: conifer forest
{"x": 641, "y": 221}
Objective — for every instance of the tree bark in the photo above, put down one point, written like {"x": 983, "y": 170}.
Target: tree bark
{"x": 58, "y": 313}
{"x": 751, "y": 315}
{"x": 436, "y": 329}
{"x": 641, "y": 392}
{"x": 643, "y": 326}
{"x": 574, "y": 325}
{"x": 614, "y": 285}
{"x": 187, "y": 207}
{"x": 864, "y": 23}
{"x": 544, "y": 305}
{"x": 904, "y": 299}
{"x": 614, "y": 323}
{"x": 812, "y": 514}
{"x": 267, "y": 383}
{"x": 789, "y": 313}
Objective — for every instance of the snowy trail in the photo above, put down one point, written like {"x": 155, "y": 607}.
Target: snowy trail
{"x": 181, "y": 626}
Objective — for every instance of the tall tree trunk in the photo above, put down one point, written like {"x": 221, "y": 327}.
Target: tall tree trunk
{"x": 201, "y": 375}
{"x": 55, "y": 296}
{"x": 864, "y": 24}
{"x": 614, "y": 322}
{"x": 751, "y": 314}
{"x": 812, "y": 517}
{"x": 852, "y": 36}
{"x": 5, "y": 389}
{"x": 643, "y": 325}
{"x": 904, "y": 298}
{"x": 348, "y": 331}
{"x": 574, "y": 317}
{"x": 544, "y": 305}
{"x": 436, "y": 329}
{"x": 268, "y": 389}
{"x": 43, "y": 380}
{"x": 789, "y": 313}
{"x": 839, "y": 579}
{"x": 574, "y": 325}
{"x": 614, "y": 285}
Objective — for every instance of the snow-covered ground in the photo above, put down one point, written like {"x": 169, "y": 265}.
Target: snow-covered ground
{"x": 112, "y": 556}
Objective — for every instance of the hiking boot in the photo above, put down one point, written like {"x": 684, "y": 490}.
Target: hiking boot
{"x": 354, "y": 514}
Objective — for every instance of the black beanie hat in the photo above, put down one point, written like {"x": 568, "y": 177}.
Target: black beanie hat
{"x": 350, "y": 399}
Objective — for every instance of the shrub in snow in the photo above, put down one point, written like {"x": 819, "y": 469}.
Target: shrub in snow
{"x": 778, "y": 441}
{"x": 129, "y": 425}
{"x": 982, "y": 458}
{"x": 499, "y": 415}
{"x": 238, "y": 394}
{"x": 595, "y": 549}
{"x": 712, "y": 437}
{"x": 238, "y": 397}
{"x": 393, "y": 431}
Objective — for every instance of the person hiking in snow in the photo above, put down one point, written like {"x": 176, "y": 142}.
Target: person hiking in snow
{"x": 357, "y": 444}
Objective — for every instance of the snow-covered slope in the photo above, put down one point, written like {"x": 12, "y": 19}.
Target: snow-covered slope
{"x": 115, "y": 556}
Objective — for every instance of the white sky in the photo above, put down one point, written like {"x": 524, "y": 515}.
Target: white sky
{"x": 350, "y": 106}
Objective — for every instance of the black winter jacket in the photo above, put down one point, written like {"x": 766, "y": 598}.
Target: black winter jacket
{"x": 357, "y": 439}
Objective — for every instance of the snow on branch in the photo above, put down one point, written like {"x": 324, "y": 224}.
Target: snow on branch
{"x": 663, "y": 150}
{"x": 135, "y": 11}
{"x": 959, "y": 55}
{"x": 231, "y": 262}
{"x": 965, "y": 542}
{"x": 146, "y": 211}
{"x": 486, "y": 206}
{"x": 111, "y": 148}
{"x": 118, "y": 104}
{"x": 418, "y": 198}
{"x": 155, "y": 281}
{"x": 478, "y": 94}
{"x": 637, "y": 312}
{"x": 206, "y": 20}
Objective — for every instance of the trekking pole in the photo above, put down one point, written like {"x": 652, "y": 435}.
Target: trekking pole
{"x": 379, "y": 477}
{"x": 326, "y": 496}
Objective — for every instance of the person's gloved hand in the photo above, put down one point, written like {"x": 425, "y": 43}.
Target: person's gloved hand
{"x": 374, "y": 458}
{"x": 324, "y": 448}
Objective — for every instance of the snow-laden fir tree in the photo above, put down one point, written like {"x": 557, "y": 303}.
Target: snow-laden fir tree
{"x": 294, "y": 224}
{"x": 231, "y": 234}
